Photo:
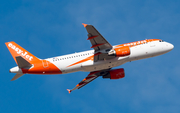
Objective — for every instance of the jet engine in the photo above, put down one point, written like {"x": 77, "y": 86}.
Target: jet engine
{"x": 121, "y": 51}
{"x": 115, "y": 74}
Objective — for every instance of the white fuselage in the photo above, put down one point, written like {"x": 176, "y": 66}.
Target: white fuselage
{"x": 80, "y": 63}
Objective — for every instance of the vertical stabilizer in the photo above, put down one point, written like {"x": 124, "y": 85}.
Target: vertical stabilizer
{"x": 17, "y": 50}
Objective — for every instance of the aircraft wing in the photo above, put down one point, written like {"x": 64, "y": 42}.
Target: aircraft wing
{"x": 98, "y": 43}
{"x": 88, "y": 79}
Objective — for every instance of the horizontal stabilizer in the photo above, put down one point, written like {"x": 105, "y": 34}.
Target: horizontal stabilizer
{"x": 22, "y": 63}
{"x": 17, "y": 76}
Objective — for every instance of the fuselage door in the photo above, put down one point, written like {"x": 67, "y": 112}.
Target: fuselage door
{"x": 45, "y": 63}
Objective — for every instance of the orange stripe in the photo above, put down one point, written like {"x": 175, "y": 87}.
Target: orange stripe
{"x": 84, "y": 60}
{"x": 88, "y": 78}
{"x": 92, "y": 37}
{"x": 81, "y": 83}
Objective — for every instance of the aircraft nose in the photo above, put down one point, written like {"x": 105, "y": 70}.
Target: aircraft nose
{"x": 170, "y": 46}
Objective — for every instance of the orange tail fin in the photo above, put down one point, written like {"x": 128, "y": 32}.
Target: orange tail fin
{"x": 17, "y": 50}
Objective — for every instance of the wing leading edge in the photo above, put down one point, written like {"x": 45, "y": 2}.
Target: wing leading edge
{"x": 97, "y": 40}
{"x": 99, "y": 43}
{"x": 91, "y": 76}
{"x": 88, "y": 79}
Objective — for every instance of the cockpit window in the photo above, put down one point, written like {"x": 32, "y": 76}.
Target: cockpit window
{"x": 161, "y": 41}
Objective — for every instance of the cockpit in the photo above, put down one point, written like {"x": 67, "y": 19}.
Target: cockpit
{"x": 161, "y": 41}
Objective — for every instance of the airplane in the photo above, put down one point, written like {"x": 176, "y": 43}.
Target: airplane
{"x": 99, "y": 61}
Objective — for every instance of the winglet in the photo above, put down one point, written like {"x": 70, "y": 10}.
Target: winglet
{"x": 84, "y": 24}
{"x": 69, "y": 90}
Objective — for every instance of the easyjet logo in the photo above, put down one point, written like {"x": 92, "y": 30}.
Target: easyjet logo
{"x": 20, "y": 52}
{"x": 135, "y": 43}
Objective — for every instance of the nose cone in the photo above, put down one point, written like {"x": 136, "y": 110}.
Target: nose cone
{"x": 170, "y": 46}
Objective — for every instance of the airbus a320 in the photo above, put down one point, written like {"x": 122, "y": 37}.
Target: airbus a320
{"x": 99, "y": 61}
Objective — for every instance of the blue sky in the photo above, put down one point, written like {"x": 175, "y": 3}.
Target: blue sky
{"x": 48, "y": 28}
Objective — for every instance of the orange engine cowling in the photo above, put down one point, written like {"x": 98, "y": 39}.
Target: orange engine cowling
{"x": 122, "y": 51}
{"x": 115, "y": 74}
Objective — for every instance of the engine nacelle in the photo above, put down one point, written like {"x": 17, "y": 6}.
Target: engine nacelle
{"x": 115, "y": 74}
{"x": 121, "y": 51}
